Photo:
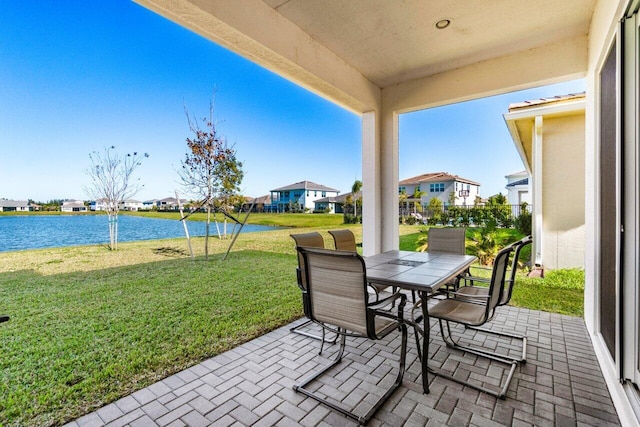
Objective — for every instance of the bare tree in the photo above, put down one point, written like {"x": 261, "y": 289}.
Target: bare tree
{"x": 210, "y": 169}
{"x": 111, "y": 180}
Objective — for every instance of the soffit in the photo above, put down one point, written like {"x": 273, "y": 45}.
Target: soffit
{"x": 390, "y": 42}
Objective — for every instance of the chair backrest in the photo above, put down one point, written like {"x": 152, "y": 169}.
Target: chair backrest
{"x": 511, "y": 280}
{"x": 344, "y": 240}
{"x": 498, "y": 278}
{"x": 448, "y": 239}
{"x": 337, "y": 289}
{"x": 308, "y": 240}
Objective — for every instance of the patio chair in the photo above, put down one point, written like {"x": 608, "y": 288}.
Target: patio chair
{"x": 471, "y": 289}
{"x": 472, "y": 313}
{"x": 344, "y": 240}
{"x": 337, "y": 299}
{"x": 313, "y": 240}
{"x": 448, "y": 239}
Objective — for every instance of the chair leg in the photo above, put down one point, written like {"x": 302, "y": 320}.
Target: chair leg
{"x": 450, "y": 342}
{"x": 361, "y": 419}
{"x": 296, "y": 330}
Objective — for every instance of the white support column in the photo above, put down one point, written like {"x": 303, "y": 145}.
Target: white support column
{"x": 389, "y": 166}
{"x": 371, "y": 185}
{"x": 537, "y": 191}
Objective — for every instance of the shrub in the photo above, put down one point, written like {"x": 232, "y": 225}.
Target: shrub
{"x": 523, "y": 221}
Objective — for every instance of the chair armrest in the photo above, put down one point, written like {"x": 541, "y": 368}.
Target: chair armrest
{"x": 476, "y": 279}
{"x": 385, "y": 301}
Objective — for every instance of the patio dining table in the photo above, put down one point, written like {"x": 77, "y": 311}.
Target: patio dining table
{"x": 424, "y": 272}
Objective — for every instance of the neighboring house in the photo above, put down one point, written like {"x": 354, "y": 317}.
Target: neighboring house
{"x": 518, "y": 191}
{"x": 301, "y": 195}
{"x": 440, "y": 185}
{"x": 149, "y": 204}
{"x": 73, "y": 206}
{"x": 336, "y": 204}
{"x": 14, "y": 206}
{"x": 98, "y": 205}
{"x": 169, "y": 204}
{"x": 131, "y": 205}
{"x": 549, "y": 135}
{"x": 260, "y": 204}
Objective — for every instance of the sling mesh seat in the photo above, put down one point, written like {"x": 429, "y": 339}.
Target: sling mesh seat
{"x": 313, "y": 240}
{"x": 336, "y": 298}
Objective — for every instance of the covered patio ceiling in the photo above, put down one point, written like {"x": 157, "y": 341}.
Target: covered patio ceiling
{"x": 349, "y": 51}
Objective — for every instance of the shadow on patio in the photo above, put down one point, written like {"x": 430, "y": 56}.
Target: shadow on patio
{"x": 561, "y": 383}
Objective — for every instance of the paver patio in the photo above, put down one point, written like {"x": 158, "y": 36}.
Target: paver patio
{"x": 560, "y": 384}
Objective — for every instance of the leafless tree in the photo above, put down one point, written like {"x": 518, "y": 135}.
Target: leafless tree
{"x": 111, "y": 181}
{"x": 210, "y": 168}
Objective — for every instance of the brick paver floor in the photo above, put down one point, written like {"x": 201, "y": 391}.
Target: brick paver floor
{"x": 560, "y": 385}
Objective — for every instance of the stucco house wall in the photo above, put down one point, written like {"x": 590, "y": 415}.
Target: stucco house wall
{"x": 563, "y": 174}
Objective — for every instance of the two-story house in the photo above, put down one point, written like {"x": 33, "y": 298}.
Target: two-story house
{"x": 299, "y": 196}
{"x": 439, "y": 185}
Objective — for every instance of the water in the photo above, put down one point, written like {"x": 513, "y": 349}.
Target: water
{"x": 48, "y": 231}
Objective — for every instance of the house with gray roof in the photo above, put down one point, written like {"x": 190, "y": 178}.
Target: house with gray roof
{"x": 300, "y": 196}
{"x": 336, "y": 204}
{"x": 14, "y": 205}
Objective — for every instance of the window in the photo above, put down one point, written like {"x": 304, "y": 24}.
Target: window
{"x": 401, "y": 190}
{"x": 307, "y": 194}
{"x": 436, "y": 188}
{"x": 315, "y": 194}
{"x": 324, "y": 194}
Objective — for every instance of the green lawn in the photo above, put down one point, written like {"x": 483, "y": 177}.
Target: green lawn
{"x": 89, "y": 326}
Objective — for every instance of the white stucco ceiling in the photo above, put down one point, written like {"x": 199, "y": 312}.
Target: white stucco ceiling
{"x": 392, "y": 41}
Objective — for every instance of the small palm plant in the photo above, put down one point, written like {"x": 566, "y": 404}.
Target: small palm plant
{"x": 422, "y": 242}
{"x": 486, "y": 246}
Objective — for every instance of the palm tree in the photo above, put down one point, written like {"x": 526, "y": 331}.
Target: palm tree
{"x": 355, "y": 189}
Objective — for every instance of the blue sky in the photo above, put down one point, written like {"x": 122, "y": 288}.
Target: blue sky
{"x": 77, "y": 76}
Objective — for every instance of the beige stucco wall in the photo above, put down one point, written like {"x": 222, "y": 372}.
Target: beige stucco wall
{"x": 563, "y": 176}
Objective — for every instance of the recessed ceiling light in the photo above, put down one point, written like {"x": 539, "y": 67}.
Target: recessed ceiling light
{"x": 443, "y": 23}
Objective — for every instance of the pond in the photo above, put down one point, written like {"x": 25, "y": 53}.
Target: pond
{"x": 18, "y": 232}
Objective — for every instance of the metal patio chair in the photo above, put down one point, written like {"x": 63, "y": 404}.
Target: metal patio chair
{"x": 313, "y": 240}
{"x": 471, "y": 289}
{"x": 337, "y": 299}
{"x": 471, "y": 313}
{"x": 344, "y": 240}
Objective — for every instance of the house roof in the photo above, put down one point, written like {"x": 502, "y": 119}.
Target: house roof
{"x": 338, "y": 199}
{"x": 436, "y": 177}
{"x": 522, "y": 173}
{"x": 13, "y": 203}
{"x": 520, "y": 119}
{"x": 524, "y": 181}
{"x": 305, "y": 185}
{"x": 547, "y": 101}
{"x": 265, "y": 200}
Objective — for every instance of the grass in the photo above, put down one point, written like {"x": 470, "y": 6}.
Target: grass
{"x": 281, "y": 220}
{"x": 89, "y": 325}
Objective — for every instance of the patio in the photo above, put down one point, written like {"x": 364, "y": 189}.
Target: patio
{"x": 561, "y": 384}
